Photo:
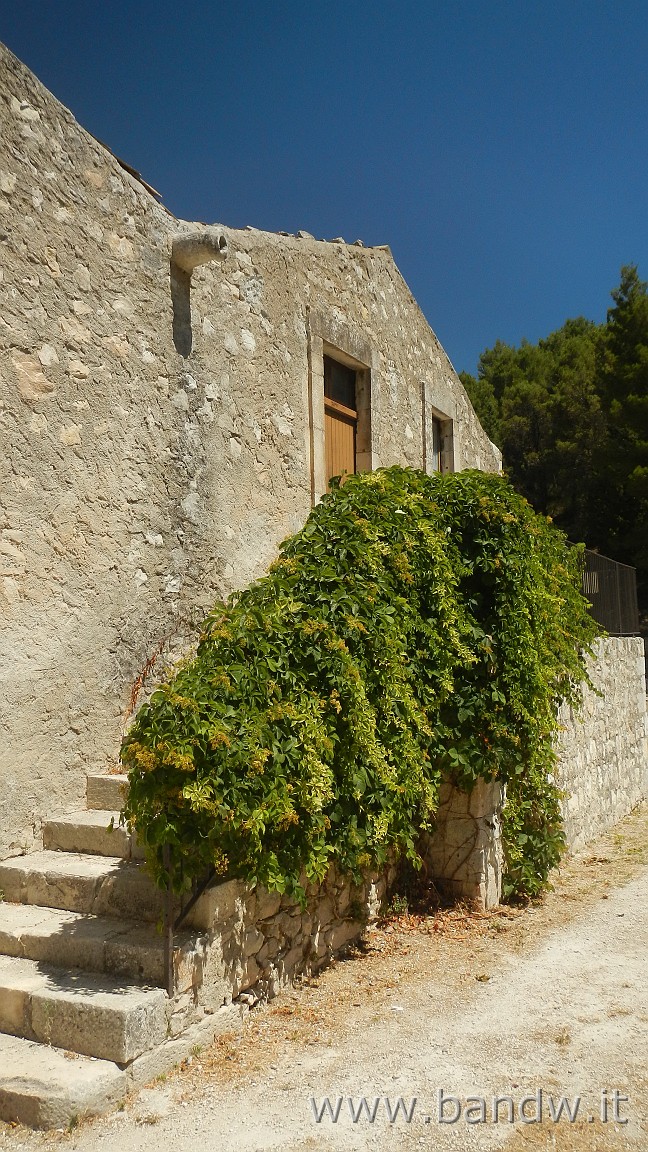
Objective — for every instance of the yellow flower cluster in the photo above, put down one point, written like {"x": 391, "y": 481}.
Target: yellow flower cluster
{"x": 218, "y": 737}
{"x": 258, "y": 762}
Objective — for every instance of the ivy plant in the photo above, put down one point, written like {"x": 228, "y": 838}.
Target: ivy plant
{"x": 418, "y": 628}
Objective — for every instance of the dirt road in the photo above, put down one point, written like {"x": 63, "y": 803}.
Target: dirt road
{"x": 548, "y": 1003}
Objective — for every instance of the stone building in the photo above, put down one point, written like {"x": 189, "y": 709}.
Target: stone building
{"x": 173, "y": 399}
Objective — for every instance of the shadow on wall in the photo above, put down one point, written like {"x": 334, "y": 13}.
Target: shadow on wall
{"x": 187, "y": 252}
{"x": 181, "y": 300}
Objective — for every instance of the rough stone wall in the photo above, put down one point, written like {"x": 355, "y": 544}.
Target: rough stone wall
{"x": 603, "y": 750}
{"x": 464, "y": 855}
{"x": 260, "y": 941}
{"x": 140, "y": 482}
{"x": 602, "y": 766}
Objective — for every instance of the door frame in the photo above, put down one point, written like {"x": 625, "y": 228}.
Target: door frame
{"x": 331, "y": 337}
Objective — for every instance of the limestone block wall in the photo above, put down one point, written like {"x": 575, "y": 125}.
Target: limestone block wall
{"x": 260, "y": 941}
{"x": 257, "y": 942}
{"x": 464, "y": 855}
{"x": 159, "y": 436}
{"x": 603, "y": 750}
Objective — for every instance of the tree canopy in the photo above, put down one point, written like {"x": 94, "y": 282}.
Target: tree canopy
{"x": 570, "y": 414}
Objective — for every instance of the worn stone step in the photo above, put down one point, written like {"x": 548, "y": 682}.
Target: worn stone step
{"x": 100, "y": 885}
{"x": 93, "y": 1015}
{"x": 94, "y": 943}
{"x": 90, "y": 832}
{"x": 71, "y": 940}
{"x": 46, "y": 1087}
{"x": 106, "y": 791}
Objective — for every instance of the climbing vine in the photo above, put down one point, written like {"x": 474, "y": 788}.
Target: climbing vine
{"x": 418, "y": 628}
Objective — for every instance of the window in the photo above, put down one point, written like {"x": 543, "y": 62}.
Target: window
{"x": 438, "y": 437}
{"x": 439, "y": 449}
{"x": 340, "y": 418}
{"x": 340, "y": 365}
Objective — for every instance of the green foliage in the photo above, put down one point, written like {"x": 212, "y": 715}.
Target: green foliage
{"x": 398, "y": 905}
{"x": 625, "y": 389}
{"x": 417, "y": 628}
{"x": 571, "y": 417}
{"x": 481, "y": 394}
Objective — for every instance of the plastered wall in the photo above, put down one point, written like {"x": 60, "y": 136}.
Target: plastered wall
{"x": 152, "y": 460}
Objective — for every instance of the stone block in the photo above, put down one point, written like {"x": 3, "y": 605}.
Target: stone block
{"x": 202, "y": 1033}
{"x": 96, "y": 1019}
{"x": 343, "y": 933}
{"x": 74, "y": 940}
{"x": 88, "y": 832}
{"x": 13, "y": 879}
{"x": 189, "y": 963}
{"x": 249, "y": 975}
{"x": 15, "y": 919}
{"x": 324, "y": 911}
{"x": 254, "y": 940}
{"x": 288, "y": 925}
{"x": 181, "y": 1012}
{"x": 19, "y": 979}
{"x": 88, "y": 1014}
{"x": 270, "y": 949}
{"x": 106, "y": 792}
{"x": 344, "y": 897}
{"x": 56, "y": 880}
{"x": 292, "y": 962}
{"x": 41, "y": 1088}
{"x": 134, "y": 951}
{"x": 267, "y": 903}
{"x": 220, "y": 904}
{"x": 125, "y": 890}
{"x": 68, "y": 940}
{"x": 14, "y": 1011}
{"x": 464, "y": 853}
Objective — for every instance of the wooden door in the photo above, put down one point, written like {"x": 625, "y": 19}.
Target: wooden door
{"x": 340, "y": 418}
{"x": 340, "y": 424}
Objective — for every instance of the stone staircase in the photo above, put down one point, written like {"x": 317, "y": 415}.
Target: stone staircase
{"x": 84, "y": 1015}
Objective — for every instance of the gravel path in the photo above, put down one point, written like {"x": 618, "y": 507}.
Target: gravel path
{"x": 549, "y": 999}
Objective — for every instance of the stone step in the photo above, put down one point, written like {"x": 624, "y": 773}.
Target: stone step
{"x": 92, "y": 1015}
{"x": 106, "y": 791}
{"x": 101, "y": 885}
{"x": 45, "y": 1087}
{"x": 97, "y": 885}
{"x": 91, "y": 833}
{"x": 70, "y": 940}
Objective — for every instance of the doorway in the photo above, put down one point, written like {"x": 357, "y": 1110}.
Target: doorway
{"x": 340, "y": 418}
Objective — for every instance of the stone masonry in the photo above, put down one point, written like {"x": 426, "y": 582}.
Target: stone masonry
{"x": 162, "y": 430}
{"x": 260, "y": 941}
{"x": 603, "y": 749}
{"x": 602, "y": 767}
{"x": 465, "y": 853}
{"x": 161, "y": 421}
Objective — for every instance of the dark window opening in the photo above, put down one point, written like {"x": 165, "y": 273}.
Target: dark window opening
{"x": 437, "y": 444}
{"x": 339, "y": 383}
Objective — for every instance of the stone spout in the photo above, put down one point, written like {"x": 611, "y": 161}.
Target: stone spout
{"x": 193, "y": 248}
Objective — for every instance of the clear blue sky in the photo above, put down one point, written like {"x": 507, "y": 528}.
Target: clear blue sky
{"x": 499, "y": 147}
